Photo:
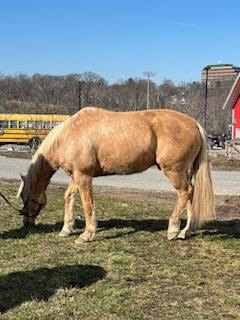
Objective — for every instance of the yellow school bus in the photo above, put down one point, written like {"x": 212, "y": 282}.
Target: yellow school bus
{"x": 27, "y": 128}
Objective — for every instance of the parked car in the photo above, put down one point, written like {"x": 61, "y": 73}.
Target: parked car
{"x": 217, "y": 141}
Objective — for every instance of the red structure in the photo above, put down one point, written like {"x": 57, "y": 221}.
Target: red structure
{"x": 233, "y": 102}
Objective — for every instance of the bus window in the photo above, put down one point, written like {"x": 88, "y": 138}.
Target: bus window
{"x": 46, "y": 125}
{"x": 3, "y": 124}
{"x": 38, "y": 125}
{"x": 22, "y": 124}
{"x": 30, "y": 124}
{"x": 55, "y": 123}
{"x": 13, "y": 124}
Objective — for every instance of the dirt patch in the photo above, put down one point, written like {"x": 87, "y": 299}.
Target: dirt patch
{"x": 15, "y": 154}
{"x": 223, "y": 163}
{"x": 227, "y": 207}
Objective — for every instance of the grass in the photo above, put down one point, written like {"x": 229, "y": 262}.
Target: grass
{"x": 131, "y": 271}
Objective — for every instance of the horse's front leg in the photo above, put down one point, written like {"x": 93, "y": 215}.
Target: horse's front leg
{"x": 69, "y": 221}
{"x": 85, "y": 189}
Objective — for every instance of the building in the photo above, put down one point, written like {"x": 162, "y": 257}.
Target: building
{"x": 219, "y": 72}
{"x": 233, "y": 103}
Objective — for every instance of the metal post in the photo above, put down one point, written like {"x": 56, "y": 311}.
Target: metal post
{"x": 206, "y": 96}
{"x": 148, "y": 93}
{"x": 79, "y": 94}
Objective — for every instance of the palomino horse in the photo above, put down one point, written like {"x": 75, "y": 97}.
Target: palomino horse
{"x": 96, "y": 142}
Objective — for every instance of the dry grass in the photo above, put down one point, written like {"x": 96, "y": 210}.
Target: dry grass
{"x": 130, "y": 271}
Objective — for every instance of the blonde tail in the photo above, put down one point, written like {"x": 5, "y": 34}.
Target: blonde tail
{"x": 203, "y": 196}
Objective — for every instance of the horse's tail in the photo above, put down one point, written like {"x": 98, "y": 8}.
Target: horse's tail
{"x": 203, "y": 195}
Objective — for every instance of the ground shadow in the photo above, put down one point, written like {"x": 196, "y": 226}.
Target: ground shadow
{"x": 40, "y": 284}
{"x": 150, "y": 225}
{"x": 22, "y": 232}
{"x": 230, "y": 228}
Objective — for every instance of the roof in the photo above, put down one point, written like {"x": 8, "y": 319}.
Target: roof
{"x": 220, "y": 65}
{"x": 233, "y": 94}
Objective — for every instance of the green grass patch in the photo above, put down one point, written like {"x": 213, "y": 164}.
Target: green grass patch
{"x": 131, "y": 271}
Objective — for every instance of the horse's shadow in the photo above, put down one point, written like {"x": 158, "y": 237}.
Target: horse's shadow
{"x": 40, "y": 284}
{"x": 23, "y": 232}
{"x": 149, "y": 225}
{"x": 228, "y": 228}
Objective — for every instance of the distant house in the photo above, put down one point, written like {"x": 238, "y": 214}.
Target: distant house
{"x": 219, "y": 72}
{"x": 233, "y": 103}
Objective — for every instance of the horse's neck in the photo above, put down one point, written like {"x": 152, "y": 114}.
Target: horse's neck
{"x": 41, "y": 171}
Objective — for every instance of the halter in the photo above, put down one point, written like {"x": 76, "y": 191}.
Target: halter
{"x": 21, "y": 212}
{"x": 40, "y": 205}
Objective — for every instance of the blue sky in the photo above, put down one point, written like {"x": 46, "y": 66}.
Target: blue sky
{"x": 118, "y": 39}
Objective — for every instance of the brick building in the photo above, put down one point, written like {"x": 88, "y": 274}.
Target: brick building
{"x": 220, "y": 72}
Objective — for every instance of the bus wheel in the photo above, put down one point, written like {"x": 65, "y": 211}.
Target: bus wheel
{"x": 34, "y": 143}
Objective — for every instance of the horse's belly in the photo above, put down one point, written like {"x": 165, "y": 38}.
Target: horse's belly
{"x": 126, "y": 163}
{"x": 126, "y": 151}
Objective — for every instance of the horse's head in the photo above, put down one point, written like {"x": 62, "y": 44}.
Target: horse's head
{"x": 34, "y": 200}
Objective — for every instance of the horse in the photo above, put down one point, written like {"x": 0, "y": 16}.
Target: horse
{"x": 96, "y": 142}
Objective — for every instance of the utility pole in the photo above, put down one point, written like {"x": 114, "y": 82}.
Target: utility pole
{"x": 148, "y": 74}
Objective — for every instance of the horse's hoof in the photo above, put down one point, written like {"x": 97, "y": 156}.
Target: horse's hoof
{"x": 64, "y": 234}
{"x": 182, "y": 236}
{"x": 80, "y": 241}
{"x": 172, "y": 235}
{"x": 185, "y": 235}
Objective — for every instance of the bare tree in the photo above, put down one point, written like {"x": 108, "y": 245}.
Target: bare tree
{"x": 60, "y": 94}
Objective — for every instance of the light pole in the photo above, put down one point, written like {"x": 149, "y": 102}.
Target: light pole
{"x": 206, "y": 96}
{"x": 148, "y": 74}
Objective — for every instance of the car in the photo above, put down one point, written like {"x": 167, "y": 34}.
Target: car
{"x": 217, "y": 141}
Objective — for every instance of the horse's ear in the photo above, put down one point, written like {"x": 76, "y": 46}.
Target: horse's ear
{"x": 21, "y": 186}
{"x": 22, "y": 177}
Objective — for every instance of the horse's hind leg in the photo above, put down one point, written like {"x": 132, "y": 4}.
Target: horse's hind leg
{"x": 84, "y": 183}
{"x": 186, "y": 231}
{"x": 180, "y": 183}
{"x": 69, "y": 221}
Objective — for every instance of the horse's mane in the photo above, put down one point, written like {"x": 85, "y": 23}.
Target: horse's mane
{"x": 48, "y": 145}
{"x": 38, "y": 159}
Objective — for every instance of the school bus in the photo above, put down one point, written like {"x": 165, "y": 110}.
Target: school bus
{"x": 28, "y": 129}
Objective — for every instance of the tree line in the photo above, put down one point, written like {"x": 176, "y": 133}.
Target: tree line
{"x": 67, "y": 94}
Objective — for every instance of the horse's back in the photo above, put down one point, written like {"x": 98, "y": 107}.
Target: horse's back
{"x": 126, "y": 142}
{"x": 121, "y": 142}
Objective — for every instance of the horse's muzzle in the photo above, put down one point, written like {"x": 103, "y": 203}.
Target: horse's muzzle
{"x": 28, "y": 221}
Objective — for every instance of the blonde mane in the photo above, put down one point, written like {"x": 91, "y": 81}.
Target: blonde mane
{"x": 50, "y": 141}
{"x": 48, "y": 145}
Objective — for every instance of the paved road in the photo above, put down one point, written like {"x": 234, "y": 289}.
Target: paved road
{"x": 225, "y": 182}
